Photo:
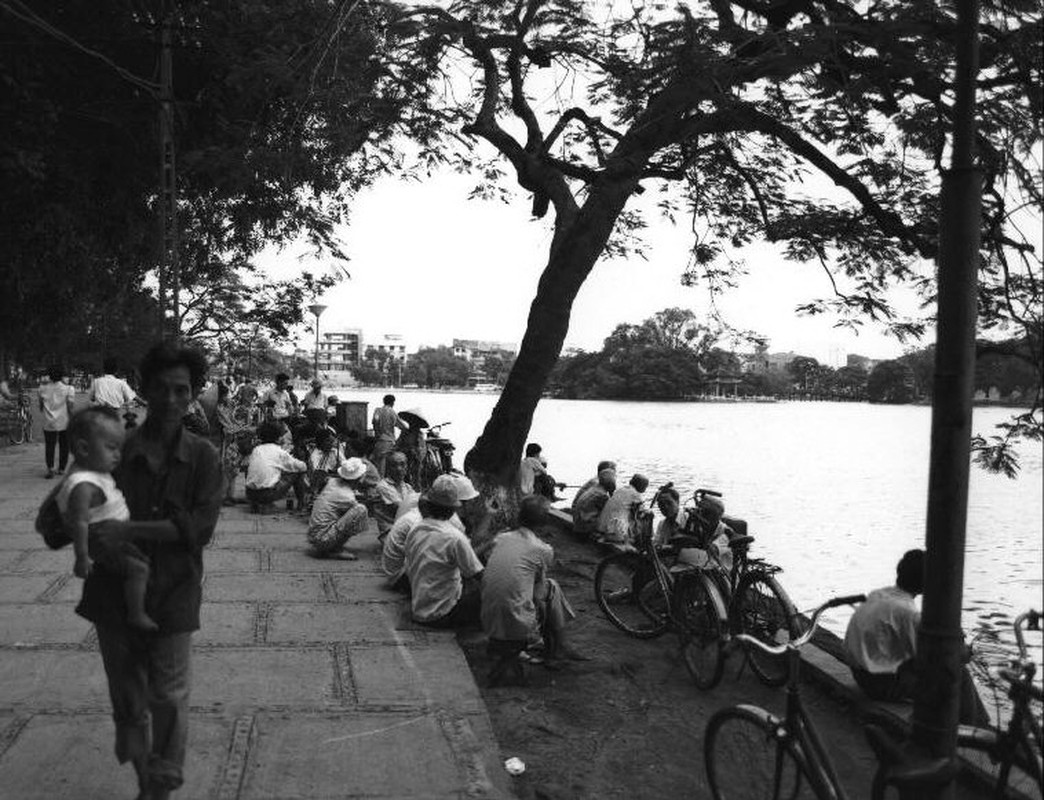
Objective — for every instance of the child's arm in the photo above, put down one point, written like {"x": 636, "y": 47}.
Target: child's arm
{"x": 82, "y": 497}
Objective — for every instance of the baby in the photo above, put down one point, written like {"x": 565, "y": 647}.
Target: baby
{"x": 89, "y": 495}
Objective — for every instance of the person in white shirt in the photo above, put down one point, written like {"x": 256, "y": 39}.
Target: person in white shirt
{"x": 281, "y": 398}
{"x": 315, "y": 397}
{"x": 392, "y": 491}
{"x": 271, "y": 471}
{"x": 439, "y": 559}
{"x": 57, "y": 401}
{"x": 616, "y": 522}
{"x": 881, "y": 642}
{"x": 337, "y": 515}
{"x": 111, "y": 391}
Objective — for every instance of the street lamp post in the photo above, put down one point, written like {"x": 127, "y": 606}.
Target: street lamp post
{"x": 317, "y": 310}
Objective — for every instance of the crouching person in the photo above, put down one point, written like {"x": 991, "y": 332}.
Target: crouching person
{"x": 271, "y": 471}
{"x": 337, "y": 513}
{"x": 521, "y": 606}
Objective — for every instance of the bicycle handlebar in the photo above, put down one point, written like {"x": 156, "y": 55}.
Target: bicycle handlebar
{"x": 778, "y": 650}
{"x": 1032, "y": 623}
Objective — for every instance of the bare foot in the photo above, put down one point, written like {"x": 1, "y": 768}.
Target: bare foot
{"x": 143, "y": 622}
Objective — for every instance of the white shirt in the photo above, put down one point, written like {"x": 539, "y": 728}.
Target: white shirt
{"x": 108, "y": 390}
{"x": 314, "y": 400}
{"x": 882, "y": 633}
{"x": 267, "y": 464}
{"x": 114, "y": 505}
{"x": 331, "y": 504}
{"x": 614, "y": 523}
{"x": 530, "y": 467}
{"x": 438, "y": 558}
{"x": 54, "y": 402}
{"x": 393, "y": 554}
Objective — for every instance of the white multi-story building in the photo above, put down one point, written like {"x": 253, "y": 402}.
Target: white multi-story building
{"x": 391, "y": 343}
{"x": 339, "y": 351}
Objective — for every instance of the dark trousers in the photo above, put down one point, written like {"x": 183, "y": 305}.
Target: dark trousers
{"x": 149, "y": 688}
{"x": 62, "y": 439}
{"x": 900, "y": 686}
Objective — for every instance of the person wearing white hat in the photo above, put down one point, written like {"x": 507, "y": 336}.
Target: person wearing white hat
{"x": 439, "y": 559}
{"x": 337, "y": 515}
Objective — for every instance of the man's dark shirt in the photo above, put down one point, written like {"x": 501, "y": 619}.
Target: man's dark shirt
{"x": 188, "y": 490}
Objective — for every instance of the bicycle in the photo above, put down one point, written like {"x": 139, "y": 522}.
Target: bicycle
{"x": 645, "y": 597}
{"x": 1007, "y": 760}
{"x": 749, "y": 752}
{"x": 21, "y": 429}
{"x": 757, "y": 604}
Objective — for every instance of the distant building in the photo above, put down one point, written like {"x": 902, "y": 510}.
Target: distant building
{"x": 473, "y": 350}
{"x": 778, "y": 362}
{"x": 391, "y": 343}
{"x": 339, "y": 351}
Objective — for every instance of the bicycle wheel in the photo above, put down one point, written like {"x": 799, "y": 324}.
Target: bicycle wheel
{"x": 16, "y": 433}
{"x": 1007, "y": 769}
{"x": 702, "y": 629}
{"x": 745, "y": 760}
{"x": 762, "y": 609}
{"x": 630, "y": 596}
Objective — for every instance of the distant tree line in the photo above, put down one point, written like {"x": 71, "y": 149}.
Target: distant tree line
{"x": 670, "y": 356}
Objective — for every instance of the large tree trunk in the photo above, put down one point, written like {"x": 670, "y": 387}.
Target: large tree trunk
{"x": 493, "y": 462}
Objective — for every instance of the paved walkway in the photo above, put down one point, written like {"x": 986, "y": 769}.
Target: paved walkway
{"x": 309, "y": 679}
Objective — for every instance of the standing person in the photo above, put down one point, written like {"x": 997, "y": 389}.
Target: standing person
{"x": 57, "y": 401}
{"x": 171, "y": 480}
{"x": 282, "y": 398}
{"x": 230, "y": 432}
{"x": 441, "y": 566}
{"x": 881, "y": 642}
{"x": 315, "y": 398}
{"x": 521, "y": 604}
{"x": 385, "y": 421}
{"x": 111, "y": 391}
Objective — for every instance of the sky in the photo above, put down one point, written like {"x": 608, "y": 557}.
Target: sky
{"x": 431, "y": 265}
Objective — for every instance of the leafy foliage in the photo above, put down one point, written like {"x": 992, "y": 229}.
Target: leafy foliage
{"x": 738, "y": 103}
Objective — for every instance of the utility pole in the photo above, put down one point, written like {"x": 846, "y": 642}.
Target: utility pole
{"x": 940, "y": 643}
{"x": 169, "y": 273}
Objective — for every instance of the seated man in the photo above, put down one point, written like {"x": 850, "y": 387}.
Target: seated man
{"x": 591, "y": 499}
{"x": 337, "y": 515}
{"x": 533, "y": 477}
{"x": 521, "y": 605}
{"x": 323, "y": 460}
{"x": 704, "y": 522}
{"x": 881, "y": 642}
{"x": 271, "y": 471}
{"x": 439, "y": 559}
{"x": 616, "y": 522}
{"x": 392, "y": 492}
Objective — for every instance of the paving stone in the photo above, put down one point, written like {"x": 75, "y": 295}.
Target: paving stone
{"x": 71, "y": 757}
{"x": 256, "y": 541}
{"x": 285, "y": 588}
{"x": 226, "y": 623}
{"x": 300, "y": 561}
{"x": 48, "y": 623}
{"x": 371, "y": 622}
{"x": 62, "y": 679}
{"x": 232, "y": 561}
{"x": 436, "y": 675}
{"x": 236, "y": 679}
{"x": 23, "y": 588}
{"x": 346, "y": 755}
{"x": 44, "y": 560}
{"x": 229, "y": 525}
{"x": 365, "y": 588}
{"x": 13, "y": 526}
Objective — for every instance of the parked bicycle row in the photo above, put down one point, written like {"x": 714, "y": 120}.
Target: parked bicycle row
{"x": 693, "y": 575}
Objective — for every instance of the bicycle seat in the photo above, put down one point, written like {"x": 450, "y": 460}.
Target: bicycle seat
{"x": 740, "y": 542}
{"x": 900, "y": 766}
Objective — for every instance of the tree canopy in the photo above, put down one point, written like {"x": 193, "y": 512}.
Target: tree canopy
{"x": 281, "y": 111}
{"x": 820, "y": 126}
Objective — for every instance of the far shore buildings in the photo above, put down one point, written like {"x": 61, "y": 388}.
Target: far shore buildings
{"x": 342, "y": 350}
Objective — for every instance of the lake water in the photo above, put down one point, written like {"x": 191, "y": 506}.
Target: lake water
{"x": 833, "y": 492}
